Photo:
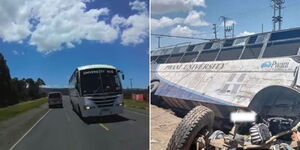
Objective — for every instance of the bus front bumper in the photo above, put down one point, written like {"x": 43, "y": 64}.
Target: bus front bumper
{"x": 102, "y": 111}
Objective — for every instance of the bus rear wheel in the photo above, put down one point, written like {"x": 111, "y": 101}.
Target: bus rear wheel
{"x": 194, "y": 125}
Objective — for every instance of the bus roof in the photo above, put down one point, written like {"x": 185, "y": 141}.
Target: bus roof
{"x": 282, "y": 43}
{"x": 95, "y": 66}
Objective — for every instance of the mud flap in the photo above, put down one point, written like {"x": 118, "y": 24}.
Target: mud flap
{"x": 297, "y": 77}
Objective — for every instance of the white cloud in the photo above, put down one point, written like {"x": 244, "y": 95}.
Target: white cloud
{"x": 70, "y": 45}
{"x": 194, "y": 18}
{"x": 138, "y": 30}
{"x": 183, "y": 31}
{"x": 69, "y": 24}
{"x": 14, "y": 25}
{"x": 165, "y": 6}
{"x": 103, "y": 11}
{"x": 139, "y": 6}
{"x": 15, "y": 52}
{"x": 136, "y": 26}
{"x": 51, "y": 25}
{"x": 164, "y": 22}
{"x": 245, "y": 33}
{"x": 117, "y": 20}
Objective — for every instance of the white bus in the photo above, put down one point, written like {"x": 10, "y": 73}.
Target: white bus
{"x": 211, "y": 80}
{"x": 96, "y": 90}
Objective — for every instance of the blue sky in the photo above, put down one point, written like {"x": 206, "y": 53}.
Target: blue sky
{"x": 51, "y": 44}
{"x": 249, "y": 15}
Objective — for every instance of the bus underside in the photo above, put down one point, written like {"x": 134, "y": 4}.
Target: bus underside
{"x": 276, "y": 125}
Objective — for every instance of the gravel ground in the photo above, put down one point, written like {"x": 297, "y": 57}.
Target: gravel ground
{"x": 163, "y": 124}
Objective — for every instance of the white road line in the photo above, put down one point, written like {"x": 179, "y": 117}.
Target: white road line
{"x": 29, "y": 130}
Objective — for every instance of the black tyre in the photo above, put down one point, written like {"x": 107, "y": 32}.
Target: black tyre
{"x": 196, "y": 122}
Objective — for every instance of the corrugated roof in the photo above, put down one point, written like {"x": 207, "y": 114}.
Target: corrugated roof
{"x": 95, "y": 66}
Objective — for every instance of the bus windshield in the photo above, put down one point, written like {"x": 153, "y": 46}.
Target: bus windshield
{"x": 94, "y": 81}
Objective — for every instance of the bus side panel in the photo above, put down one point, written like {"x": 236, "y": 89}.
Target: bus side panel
{"x": 228, "y": 82}
{"x": 74, "y": 98}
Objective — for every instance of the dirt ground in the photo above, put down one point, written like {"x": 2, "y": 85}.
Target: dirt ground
{"x": 163, "y": 124}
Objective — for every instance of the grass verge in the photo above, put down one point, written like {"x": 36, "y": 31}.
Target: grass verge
{"x": 140, "y": 106}
{"x": 11, "y": 111}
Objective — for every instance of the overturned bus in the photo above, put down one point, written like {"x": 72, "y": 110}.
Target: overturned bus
{"x": 216, "y": 81}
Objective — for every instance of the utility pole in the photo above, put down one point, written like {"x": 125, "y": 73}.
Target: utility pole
{"x": 215, "y": 30}
{"x": 224, "y": 24}
{"x": 158, "y": 38}
{"x": 131, "y": 83}
{"x": 227, "y": 28}
{"x": 262, "y": 28}
{"x": 277, "y": 19}
{"x": 233, "y": 30}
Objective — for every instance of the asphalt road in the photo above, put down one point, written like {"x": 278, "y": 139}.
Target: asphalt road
{"x": 63, "y": 129}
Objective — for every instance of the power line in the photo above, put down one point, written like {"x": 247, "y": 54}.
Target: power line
{"x": 184, "y": 37}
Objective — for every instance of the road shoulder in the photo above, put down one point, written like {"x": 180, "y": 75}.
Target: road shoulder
{"x": 13, "y": 129}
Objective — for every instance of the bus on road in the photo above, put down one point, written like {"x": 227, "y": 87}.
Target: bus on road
{"x": 96, "y": 90}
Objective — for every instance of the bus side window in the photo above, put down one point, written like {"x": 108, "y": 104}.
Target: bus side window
{"x": 230, "y": 53}
{"x": 175, "y": 58}
{"x": 251, "y": 51}
{"x": 209, "y": 55}
{"x": 282, "y": 48}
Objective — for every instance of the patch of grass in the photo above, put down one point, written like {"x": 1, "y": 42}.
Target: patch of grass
{"x": 11, "y": 111}
{"x": 136, "y": 104}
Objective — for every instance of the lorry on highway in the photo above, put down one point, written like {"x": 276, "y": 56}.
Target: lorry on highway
{"x": 96, "y": 90}
{"x": 55, "y": 99}
{"x": 237, "y": 93}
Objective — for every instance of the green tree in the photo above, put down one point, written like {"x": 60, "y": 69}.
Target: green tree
{"x": 5, "y": 86}
{"x": 39, "y": 82}
{"x": 32, "y": 88}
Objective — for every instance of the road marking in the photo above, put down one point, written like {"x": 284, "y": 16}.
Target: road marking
{"x": 103, "y": 126}
{"x": 29, "y": 130}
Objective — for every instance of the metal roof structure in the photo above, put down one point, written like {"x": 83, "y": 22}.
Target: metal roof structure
{"x": 262, "y": 45}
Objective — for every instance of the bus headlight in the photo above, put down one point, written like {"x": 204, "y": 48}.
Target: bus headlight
{"x": 88, "y": 107}
{"x": 119, "y": 99}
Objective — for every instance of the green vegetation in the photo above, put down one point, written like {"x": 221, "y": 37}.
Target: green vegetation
{"x": 11, "y": 111}
{"x": 141, "y": 106}
{"x": 14, "y": 90}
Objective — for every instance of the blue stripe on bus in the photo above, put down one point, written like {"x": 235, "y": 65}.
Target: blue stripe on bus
{"x": 196, "y": 93}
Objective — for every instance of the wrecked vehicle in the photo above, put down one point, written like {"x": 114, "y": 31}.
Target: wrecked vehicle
{"x": 240, "y": 93}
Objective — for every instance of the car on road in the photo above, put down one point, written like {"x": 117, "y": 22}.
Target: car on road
{"x": 55, "y": 100}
